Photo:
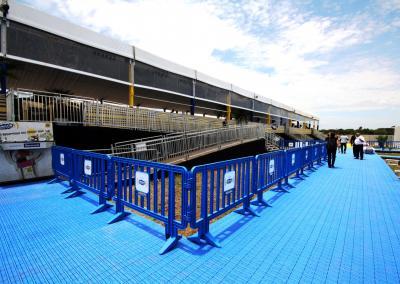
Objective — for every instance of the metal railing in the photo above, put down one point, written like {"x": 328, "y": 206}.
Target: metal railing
{"x": 26, "y": 105}
{"x": 169, "y": 147}
{"x": 389, "y": 145}
{"x": 273, "y": 139}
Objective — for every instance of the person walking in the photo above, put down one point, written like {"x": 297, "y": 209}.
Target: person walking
{"x": 359, "y": 143}
{"x": 352, "y": 139}
{"x": 338, "y": 143}
{"x": 343, "y": 143}
{"x": 331, "y": 146}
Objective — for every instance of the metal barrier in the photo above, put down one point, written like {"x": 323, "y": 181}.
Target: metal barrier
{"x": 221, "y": 187}
{"x": 390, "y": 145}
{"x": 62, "y": 162}
{"x": 29, "y": 105}
{"x": 269, "y": 170}
{"x": 294, "y": 162}
{"x": 307, "y": 158}
{"x": 176, "y": 197}
{"x": 178, "y": 147}
{"x": 288, "y": 144}
{"x": 157, "y": 190}
{"x": 94, "y": 172}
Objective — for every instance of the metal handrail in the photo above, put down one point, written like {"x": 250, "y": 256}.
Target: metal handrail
{"x": 44, "y": 106}
{"x": 161, "y": 149}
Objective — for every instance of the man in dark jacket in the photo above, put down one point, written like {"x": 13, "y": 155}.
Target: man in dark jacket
{"x": 352, "y": 139}
{"x": 331, "y": 149}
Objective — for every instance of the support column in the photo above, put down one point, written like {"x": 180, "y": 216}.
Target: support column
{"x": 269, "y": 119}
{"x": 131, "y": 86}
{"x": 193, "y": 100}
{"x": 192, "y": 106}
{"x": 228, "y": 107}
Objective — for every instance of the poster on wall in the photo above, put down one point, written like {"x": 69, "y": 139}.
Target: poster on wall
{"x": 25, "y": 150}
{"x": 11, "y": 132}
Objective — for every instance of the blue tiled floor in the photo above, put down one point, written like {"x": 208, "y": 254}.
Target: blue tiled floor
{"x": 339, "y": 225}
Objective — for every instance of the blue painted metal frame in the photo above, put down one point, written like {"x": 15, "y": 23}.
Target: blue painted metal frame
{"x": 99, "y": 179}
{"x": 253, "y": 175}
{"x": 269, "y": 170}
{"x": 62, "y": 170}
{"x": 214, "y": 199}
{"x": 294, "y": 162}
{"x": 160, "y": 202}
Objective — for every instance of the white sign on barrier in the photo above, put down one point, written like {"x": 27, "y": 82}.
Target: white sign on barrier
{"x": 293, "y": 159}
{"x": 290, "y": 144}
{"x": 306, "y": 154}
{"x": 271, "y": 167}
{"x": 62, "y": 160}
{"x": 229, "y": 181}
{"x": 142, "y": 182}
{"x": 87, "y": 167}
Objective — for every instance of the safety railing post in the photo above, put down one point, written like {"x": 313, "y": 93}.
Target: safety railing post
{"x": 119, "y": 206}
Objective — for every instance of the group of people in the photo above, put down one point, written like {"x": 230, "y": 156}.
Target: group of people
{"x": 339, "y": 144}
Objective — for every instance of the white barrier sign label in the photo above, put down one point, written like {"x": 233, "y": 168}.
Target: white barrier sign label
{"x": 306, "y": 154}
{"x": 62, "y": 161}
{"x": 293, "y": 159}
{"x": 87, "y": 167}
{"x": 271, "y": 167}
{"x": 290, "y": 144}
{"x": 229, "y": 181}
{"x": 142, "y": 182}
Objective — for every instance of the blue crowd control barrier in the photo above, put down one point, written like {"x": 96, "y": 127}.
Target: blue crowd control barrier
{"x": 269, "y": 170}
{"x": 294, "y": 163}
{"x": 222, "y": 186}
{"x": 307, "y": 159}
{"x": 323, "y": 151}
{"x": 175, "y": 196}
{"x": 62, "y": 162}
{"x": 156, "y": 190}
{"x": 94, "y": 172}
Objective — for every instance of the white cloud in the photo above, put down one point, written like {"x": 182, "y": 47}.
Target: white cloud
{"x": 262, "y": 34}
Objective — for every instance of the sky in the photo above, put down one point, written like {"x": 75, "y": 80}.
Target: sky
{"x": 339, "y": 60}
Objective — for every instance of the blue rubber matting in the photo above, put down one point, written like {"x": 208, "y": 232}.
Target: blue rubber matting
{"x": 338, "y": 225}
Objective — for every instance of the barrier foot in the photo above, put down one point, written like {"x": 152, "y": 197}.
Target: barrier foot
{"x": 261, "y": 202}
{"x": 303, "y": 174}
{"x": 68, "y": 190}
{"x": 169, "y": 244}
{"x": 54, "y": 180}
{"x": 247, "y": 211}
{"x": 76, "y": 193}
{"x": 208, "y": 238}
{"x": 120, "y": 216}
{"x": 290, "y": 185}
{"x": 299, "y": 177}
{"x": 101, "y": 208}
{"x": 281, "y": 189}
